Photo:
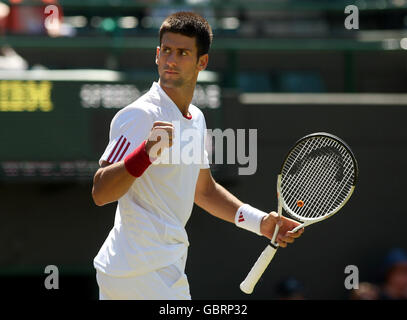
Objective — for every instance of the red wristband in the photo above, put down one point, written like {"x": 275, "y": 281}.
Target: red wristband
{"x": 138, "y": 161}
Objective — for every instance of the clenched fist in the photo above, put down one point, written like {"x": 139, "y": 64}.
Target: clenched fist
{"x": 160, "y": 138}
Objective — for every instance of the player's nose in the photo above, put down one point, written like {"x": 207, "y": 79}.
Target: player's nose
{"x": 171, "y": 60}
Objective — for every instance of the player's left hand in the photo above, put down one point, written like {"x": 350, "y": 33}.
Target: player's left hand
{"x": 285, "y": 235}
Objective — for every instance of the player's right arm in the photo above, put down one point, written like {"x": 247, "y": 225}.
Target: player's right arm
{"x": 113, "y": 180}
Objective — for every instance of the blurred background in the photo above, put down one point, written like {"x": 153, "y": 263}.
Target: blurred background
{"x": 284, "y": 67}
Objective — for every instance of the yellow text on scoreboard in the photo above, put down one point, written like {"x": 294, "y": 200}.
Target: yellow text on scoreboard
{"x": 29, "y": 96}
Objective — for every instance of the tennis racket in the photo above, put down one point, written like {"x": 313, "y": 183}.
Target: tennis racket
{"x": 317, "y": 178}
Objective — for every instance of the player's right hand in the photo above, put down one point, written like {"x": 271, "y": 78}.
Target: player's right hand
{"x": 161, "y": 137}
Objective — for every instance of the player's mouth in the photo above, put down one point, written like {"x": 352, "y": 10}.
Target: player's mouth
{"x": 170, "y": 72}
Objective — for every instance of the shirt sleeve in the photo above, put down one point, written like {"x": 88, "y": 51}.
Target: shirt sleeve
{"x": 128, "y": 129}
{"x": 207, "y": 143}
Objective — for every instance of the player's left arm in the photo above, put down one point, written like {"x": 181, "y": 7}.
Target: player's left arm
{"x": 215, "y": 199}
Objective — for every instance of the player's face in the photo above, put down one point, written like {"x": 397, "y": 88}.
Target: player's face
{"x": 178, "y": 64}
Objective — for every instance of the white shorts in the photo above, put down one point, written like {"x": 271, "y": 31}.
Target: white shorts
{"x": 168, "y": 283}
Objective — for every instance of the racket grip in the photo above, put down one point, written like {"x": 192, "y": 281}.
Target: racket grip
{"x": 258, "y": 269}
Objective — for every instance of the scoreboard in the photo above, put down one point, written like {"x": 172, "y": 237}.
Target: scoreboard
{"x": 54, "y": 124}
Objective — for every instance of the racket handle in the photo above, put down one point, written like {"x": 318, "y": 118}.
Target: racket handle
{"x": 258, "y": 269}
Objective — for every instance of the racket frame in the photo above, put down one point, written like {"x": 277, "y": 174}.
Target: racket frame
{"x": 279, "y": 211}
{"x": 308, "y": 221}
{"x": 268, "y": 253}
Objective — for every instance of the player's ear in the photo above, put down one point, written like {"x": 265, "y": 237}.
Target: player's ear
{"x": 157, "y": 54}
{"x": 203, "y": 62}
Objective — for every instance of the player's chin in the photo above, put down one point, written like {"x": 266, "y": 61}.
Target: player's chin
{"x": 171, "y": 83}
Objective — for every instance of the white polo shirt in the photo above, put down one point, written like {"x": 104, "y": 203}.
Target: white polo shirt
{"x": 149, "y": 229}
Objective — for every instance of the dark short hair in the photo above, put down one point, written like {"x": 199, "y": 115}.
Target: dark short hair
{"x": 189, "y": 24}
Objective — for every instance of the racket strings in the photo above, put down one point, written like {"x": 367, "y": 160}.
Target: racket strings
{"x": 326, "y": 201}
{"x": 299, "y": 181}
{"x": 319, "y": 190}
{"x": 338, "y": 196}
{"x": 330, "y": 180}
{"x": 316, "y": 165}
{"x": 315, "y": 186}
{"x": 310, "y": 184}
{"x": 290, "y": 183}
{"x": 347, "y": 186}
{"x": 300, "y": 150}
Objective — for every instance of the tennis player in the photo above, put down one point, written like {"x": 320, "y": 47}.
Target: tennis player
{"x": 145, "y": 253}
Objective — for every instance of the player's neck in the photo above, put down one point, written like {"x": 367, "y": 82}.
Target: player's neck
{"x": 182, "y": 97}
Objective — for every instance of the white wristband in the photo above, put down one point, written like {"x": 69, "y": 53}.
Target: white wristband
{"x": 249, "y": 218}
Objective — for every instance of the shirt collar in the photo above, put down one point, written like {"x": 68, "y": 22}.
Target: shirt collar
{"x": 165, "y": 100}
